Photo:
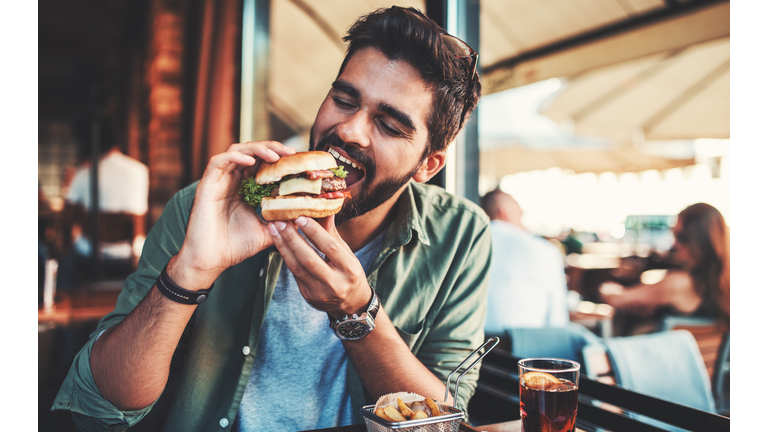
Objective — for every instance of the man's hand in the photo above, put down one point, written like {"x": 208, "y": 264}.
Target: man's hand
{"x": 336, "y": 285}
{"x": 223, "y": 230}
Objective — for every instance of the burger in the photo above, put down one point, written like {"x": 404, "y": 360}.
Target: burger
{"x": 304, "y": 184}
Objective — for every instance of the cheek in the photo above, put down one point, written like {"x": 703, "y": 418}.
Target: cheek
{"x": 394, "y": 161}
{"x": 324, "y": 118}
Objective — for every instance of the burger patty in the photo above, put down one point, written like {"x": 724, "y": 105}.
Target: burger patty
{"x": 333, "y": 184}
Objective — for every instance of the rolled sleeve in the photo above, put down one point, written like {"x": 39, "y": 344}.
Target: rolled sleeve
{"x": 79, "y": 393}
{"x": 90, "y": 411}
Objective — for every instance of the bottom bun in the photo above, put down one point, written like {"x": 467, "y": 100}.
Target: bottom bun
{"x": 289, "y": 208}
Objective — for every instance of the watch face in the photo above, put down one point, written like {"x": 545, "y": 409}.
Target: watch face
{"x": 353, "y": 329}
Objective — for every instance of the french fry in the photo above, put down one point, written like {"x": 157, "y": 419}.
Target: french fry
{"x": 407, "y": 412}
{"x": 394, "y": 414}
{"x": 433, "y": 407}
{"x": 380, "y": 412}
{"x": 419, "y": 415}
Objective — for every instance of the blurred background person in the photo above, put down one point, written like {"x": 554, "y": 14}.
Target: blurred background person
{"x": 123, "y": 202}
{"x": 527, "y": 286}
{"x": 700, "y": 286}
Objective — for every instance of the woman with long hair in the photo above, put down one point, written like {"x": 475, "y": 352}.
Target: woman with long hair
{"x": 702, "y": 286}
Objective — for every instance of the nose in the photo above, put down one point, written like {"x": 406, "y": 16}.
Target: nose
{"x": 355, "y": 129}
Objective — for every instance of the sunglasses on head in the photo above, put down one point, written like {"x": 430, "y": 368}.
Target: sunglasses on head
{"x": 462, "y": 50}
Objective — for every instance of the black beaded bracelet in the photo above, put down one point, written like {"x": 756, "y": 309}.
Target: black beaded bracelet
{"x": 178, "y": 294}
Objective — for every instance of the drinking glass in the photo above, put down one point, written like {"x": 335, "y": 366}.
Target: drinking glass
{"x": 549, "y": 394}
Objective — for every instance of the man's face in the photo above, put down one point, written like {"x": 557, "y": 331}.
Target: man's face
{"x": 373, "y": 121}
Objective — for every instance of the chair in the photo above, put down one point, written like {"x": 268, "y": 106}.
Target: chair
{"x": 560, "y": 342}
{"x": 721, "y": 381}
{"x": 666, "y": 365}
{"x": 707, "y": 332}
{"x": 117, "y": 233}
{"x": 601, "y": 406}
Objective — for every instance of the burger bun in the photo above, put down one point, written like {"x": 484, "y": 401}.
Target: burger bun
{"x": 291, "y": 207}
{"x": 294, "y": 164}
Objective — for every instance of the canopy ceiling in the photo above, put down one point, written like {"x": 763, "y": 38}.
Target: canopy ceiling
{"x": 498, "y": 162}
{"x": 677, "y": 95}
{"x": 522, "y": 41}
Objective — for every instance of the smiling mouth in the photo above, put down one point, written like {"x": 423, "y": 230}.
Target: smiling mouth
{"x": 355, "y": 171}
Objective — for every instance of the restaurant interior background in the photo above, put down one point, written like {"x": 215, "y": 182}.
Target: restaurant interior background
{"x": 563, "y": 80}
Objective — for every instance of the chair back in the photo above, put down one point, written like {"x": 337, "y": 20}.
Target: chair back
{"x": 560, "y": 342}
{"x": 113, "y": 227}
{"x": 666, "y": 365}
{"x": 708, "y": 333}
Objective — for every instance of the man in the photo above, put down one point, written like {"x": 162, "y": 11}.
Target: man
{"x": 123, "y": 204}
{"x": 526, "y": 287}
{"x": 259, "y": 353}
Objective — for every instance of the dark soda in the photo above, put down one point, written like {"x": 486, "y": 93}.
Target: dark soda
{"x": 552, "y": 410}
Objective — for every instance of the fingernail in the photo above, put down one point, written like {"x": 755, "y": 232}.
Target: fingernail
{"x": 301, "y": 220}
{"x": 280, "y": 225}
{"x": 272, "y": 230}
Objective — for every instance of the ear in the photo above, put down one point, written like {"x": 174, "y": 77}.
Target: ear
{"x": 430, "y": 166}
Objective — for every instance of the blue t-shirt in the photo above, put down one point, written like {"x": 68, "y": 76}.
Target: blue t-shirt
{"x": 299, "y": 376}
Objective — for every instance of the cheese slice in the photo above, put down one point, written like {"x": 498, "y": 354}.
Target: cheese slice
{"x": 300, "y": 184}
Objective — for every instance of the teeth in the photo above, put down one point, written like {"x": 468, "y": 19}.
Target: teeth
{"x": 342, "y": 158}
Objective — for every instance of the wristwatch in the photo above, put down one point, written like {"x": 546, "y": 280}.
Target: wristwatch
{"x": 357, "y": 327}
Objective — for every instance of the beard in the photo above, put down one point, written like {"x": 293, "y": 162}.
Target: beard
{"x": 370, "y": 195}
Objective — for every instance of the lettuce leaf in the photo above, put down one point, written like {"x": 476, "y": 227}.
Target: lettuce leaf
{"x": 253, "y": 193}
{"x": 339, "y": 172}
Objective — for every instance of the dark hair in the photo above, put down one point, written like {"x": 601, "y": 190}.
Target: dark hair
{"x": 408, "y": 35}
{"x": 706, "y": 237}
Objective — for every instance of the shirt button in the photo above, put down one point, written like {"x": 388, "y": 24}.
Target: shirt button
{"x": 246, "y": 350}
{"x": 261, "y": 272}
{"x": 223, "y": 422}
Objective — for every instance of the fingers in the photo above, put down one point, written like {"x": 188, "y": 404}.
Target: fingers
{"x": 242, "y": 157}
{"x": 298, "y": 255}
{"x": 269, "y": 151}
{"x": 328, "y": 224}
{"x": 226, "y": 161}
{"x": 322, "y": 233}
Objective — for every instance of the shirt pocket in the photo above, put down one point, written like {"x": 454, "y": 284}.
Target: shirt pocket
{"x": 411, "y": 335}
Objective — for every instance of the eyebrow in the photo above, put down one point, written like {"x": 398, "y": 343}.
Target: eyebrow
{"x": 400, "y": 116}
{"x": 346, "y": 87}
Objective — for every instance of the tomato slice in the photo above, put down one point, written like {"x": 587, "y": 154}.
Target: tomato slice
{"x": 334, "y": 195}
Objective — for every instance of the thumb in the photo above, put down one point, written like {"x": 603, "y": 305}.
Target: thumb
{"x": 329, "y": 224}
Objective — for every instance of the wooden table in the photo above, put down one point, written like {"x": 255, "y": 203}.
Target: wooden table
{"x": 510, "y": 426}
{"x": 74, "y": 308}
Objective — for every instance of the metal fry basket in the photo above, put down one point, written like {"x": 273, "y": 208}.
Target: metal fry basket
{"x": 450, "y": 422}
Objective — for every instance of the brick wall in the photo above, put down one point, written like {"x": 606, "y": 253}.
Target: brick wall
{"x": 163, "y": 75}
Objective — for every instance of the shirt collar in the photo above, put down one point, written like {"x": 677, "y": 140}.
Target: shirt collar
{"x": 408, "y": 219}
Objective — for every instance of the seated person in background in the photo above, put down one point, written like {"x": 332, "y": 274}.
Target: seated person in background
{"x": 260, "y": 354}
{"x": 701, "y": 287}
{"x": 123, "y": 197}
{"x": 527, "y": 286}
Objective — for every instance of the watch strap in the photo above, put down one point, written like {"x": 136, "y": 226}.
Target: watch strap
{"x": 178, "y": 294}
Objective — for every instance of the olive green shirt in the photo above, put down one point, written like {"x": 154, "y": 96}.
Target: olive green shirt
{"x": 431, "y": 276}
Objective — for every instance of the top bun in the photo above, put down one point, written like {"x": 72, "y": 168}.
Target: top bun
{"x": 294, "y": 164}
